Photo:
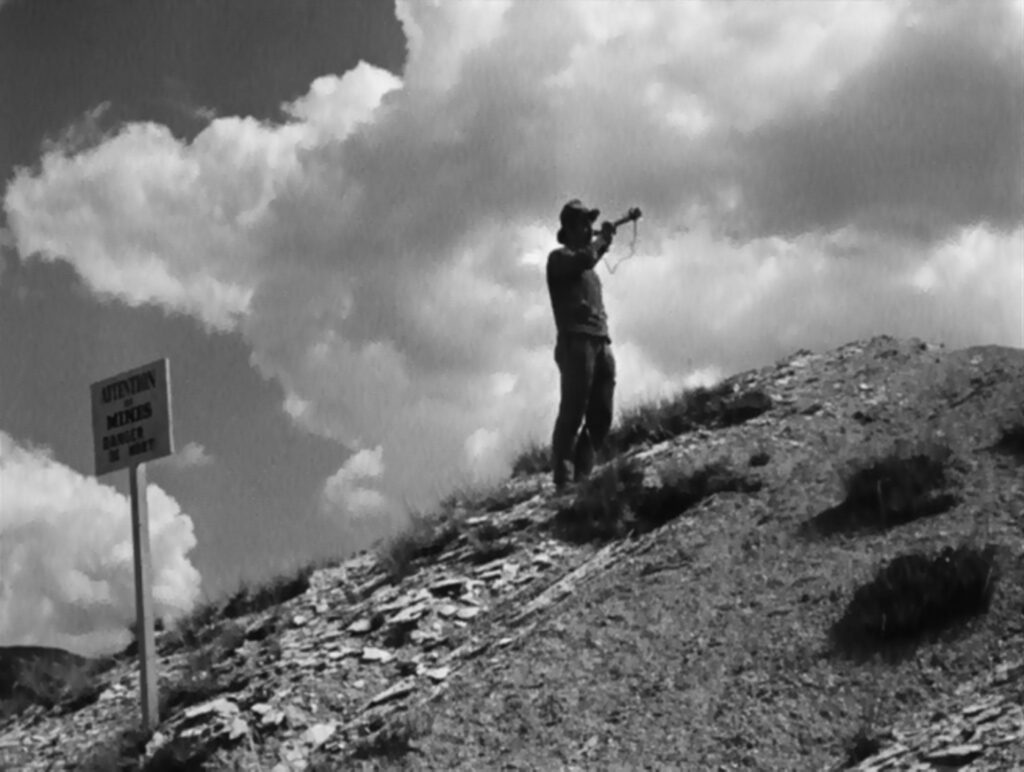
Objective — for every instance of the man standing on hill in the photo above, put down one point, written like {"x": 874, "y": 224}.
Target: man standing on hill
{"x": 583, "y": 349}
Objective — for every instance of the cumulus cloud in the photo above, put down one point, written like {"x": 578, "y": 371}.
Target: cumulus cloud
{"x": 66, "y": 572}
{"x": 192, "y": 455}
{"x": 809, "y": 173}
{"x": 923, "y": 140}
{"x": 350, "y": 492}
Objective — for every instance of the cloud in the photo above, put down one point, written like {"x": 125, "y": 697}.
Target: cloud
{"x": 192, "y": 455}
{"x": 923, "y": 140}
{"x": 809, "y": 173}
{"x": 347, "y": 493}
{"x": 66, "y": 573}
{"x": 8, "y": 249}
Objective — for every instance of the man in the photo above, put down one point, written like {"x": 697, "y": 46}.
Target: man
{"x": 583, "y": 348}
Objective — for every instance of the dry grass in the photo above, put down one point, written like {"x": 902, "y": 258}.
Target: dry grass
{"x": 204, "y": 675}
{"x": 908, "y": 482}
{"x": 615, "y": 502}
{"x": 1011, "y": 440}
{"x": 659, "y": 420}
{"x": 66, "y": 683}
{"x": 392, "y": 738}
{"x": 249, "y": 599}
{"x": 915, "y": 594}
{"x": 425, "y": 537}
{"x": 534, "y": 459}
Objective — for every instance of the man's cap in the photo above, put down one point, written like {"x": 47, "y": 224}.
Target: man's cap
{"x": 574, "y": 211}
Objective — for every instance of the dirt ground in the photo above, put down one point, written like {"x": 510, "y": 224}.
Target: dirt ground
{"x": 707, "y": 648}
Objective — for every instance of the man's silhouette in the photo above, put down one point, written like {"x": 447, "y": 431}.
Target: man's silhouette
{"x": 583, "y": 349}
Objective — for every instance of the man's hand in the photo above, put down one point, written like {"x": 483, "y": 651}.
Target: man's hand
{"x": 607, "y": 230}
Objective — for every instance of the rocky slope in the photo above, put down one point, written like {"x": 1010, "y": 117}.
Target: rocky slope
{"x": 512, "y": 641}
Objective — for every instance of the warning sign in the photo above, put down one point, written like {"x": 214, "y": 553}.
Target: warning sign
{"x": 131, "y": 417}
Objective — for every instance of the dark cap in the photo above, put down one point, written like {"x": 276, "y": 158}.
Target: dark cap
{"x": 574, "y": 211}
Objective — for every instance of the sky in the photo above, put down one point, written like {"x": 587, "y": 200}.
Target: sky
{"x": 333, "y": 218}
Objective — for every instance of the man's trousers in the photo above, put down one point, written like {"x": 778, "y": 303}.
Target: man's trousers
{"x": 587, "y": 369}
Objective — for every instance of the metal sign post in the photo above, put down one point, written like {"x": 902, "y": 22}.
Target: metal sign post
{"x": 143, "y": 599}
{"x": 131, "y": 420}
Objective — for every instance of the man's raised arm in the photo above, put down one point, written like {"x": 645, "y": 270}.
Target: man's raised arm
{"x": 574, "y": 261}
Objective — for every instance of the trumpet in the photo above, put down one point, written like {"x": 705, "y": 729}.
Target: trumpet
{"x": 633, "y": 214}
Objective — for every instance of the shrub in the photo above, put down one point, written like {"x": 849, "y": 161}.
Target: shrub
{"x": 864, "y": 744}
{"x": 702, "y": 407}
{"x": 616, "y": 502}
{"x": 534, "y": 459}
{"x": 52, "y": 678}
{"x": 393, "y": 737}
{"x": 425, "y": 537}
{"x": 204, "y": 674}
{"x": 901, "y": 486}
{"x": 914, "y": 594}
{"x": 273, "y": 593}
{"x": 1011, "y": 441}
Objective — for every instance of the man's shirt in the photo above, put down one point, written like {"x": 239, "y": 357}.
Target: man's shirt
{"x": 575, "y": 289}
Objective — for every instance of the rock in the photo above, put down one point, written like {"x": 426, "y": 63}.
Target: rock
{"x": 366, "y": 624}
{"x": 272, "y": 717}
{"x": 982, "y": 705}
{"x": 259, "y": 629}
{"x": 448, "y": 587}
{"x": 296, "y": 717}
{"x": 407, "y": 667}
{"x": 293, "y": 759}
{"x": 467, "y": 613}
{"x": 220, "y": 706}
{"x": 238, "y": 728}
{"x": 373, "y": 654}
{"x": 486, "y": 568}
{"x": 894, "y": 750}
{"x": 955, "y": 755}
{"x": 404, "y": 601}
{"x": 318, "y": 734}
{"x": 437, "y": 674}
{"x": 341, "y": 653}
{"x": 156, "y": 742}
{"x": 393, "y": 692}
{"x": 409, "y": 614}
{"x": 493, "y": 574}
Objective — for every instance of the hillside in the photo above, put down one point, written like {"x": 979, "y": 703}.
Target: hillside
{"x": 705, "y": 602}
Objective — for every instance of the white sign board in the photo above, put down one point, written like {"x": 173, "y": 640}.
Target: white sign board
{"x": 131, "y": 417}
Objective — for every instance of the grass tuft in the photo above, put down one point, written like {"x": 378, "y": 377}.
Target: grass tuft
{"x": 899, "y": 487}
{"x": 703, "y": 407}
{"x": 249, "y": 600}
{"x": 1011, "y": 441}
{"x": 425, "y": 537}
{"x": 534, "y": 459}
{"x": 915, "y": 594}
{"x": 864, "y": 744}
{"x": 396, "y": 737}
{"x": 204, "y": 676}
{"x": 616, "y": 501}
{"x": 55, "y": 680}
